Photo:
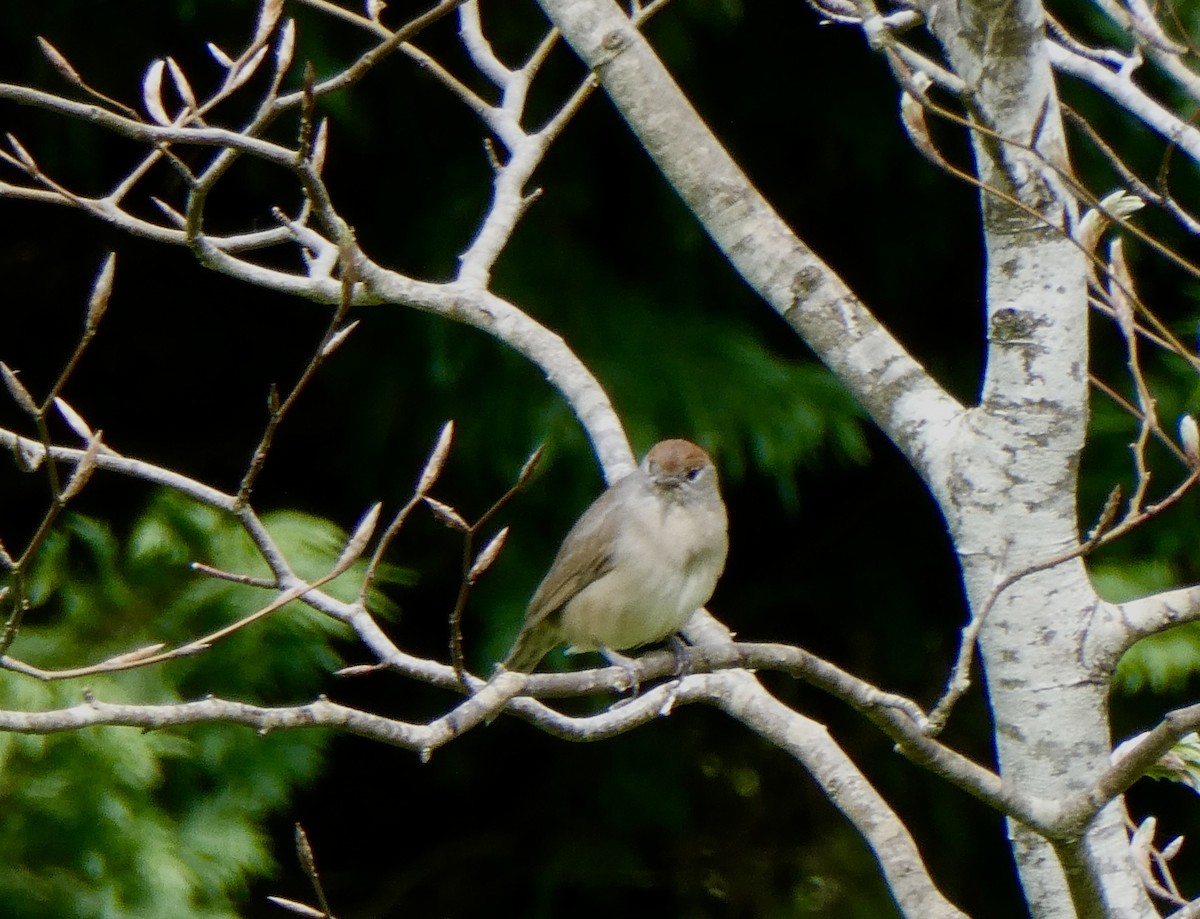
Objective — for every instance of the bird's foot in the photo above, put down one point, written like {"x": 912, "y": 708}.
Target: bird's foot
{"x": 682, "y": 652}
{"x": 630, "y": 666}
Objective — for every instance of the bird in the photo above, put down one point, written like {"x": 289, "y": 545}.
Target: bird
{"x": 637, "y": 563}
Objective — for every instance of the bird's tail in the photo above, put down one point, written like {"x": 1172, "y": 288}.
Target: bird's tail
{"x": 531, "y": 646}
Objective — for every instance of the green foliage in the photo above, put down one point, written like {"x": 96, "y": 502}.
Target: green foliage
{"x": 1160, "y": 662}
{"x": 1179, "y": 764}
{"x": 729, "y": 392}
{"x": 678, "y": 358}
{"x": 1160, "y": 554}
{"x": 116, "y": 822}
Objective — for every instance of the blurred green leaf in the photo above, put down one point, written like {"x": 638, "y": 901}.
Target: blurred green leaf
{"x": 117, "y": 822}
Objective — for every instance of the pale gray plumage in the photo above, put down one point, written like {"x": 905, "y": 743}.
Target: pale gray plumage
{"x": 640, "y": 560}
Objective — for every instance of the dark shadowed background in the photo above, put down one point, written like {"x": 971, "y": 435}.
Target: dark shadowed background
{"x": 834, "y": 543}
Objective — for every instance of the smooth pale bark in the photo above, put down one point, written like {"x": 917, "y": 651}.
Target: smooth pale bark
{"x": 1014, "y": 490}
{"x": 1005, "y": 472}
{"x": 897, "y": 391}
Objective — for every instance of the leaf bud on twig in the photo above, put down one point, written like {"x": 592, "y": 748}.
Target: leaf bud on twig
{"x": 83, "y": 470}
{"x": 437, "y": 458}
{"x": 484, "y": 560}
{"x": 60, "y": 63}
{"x": 446, "y": 514}
{"x": 152, "y": 92}
{"x": 17, "y": 390}
{"x": 336, "y": 339}
{"x": 357, "y": 543}
{"x": 220, "y": 56}
{"x": 530, "y": 466}
{"x": 1189, "y": 436}
{"x": 101, "y": 291}
{"x": 22, "y": 154}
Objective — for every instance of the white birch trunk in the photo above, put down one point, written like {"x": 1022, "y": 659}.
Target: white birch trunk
{"x": 1004, "y": 472}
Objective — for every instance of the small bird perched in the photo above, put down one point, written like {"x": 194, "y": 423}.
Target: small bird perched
{"x": 640, "y": 560}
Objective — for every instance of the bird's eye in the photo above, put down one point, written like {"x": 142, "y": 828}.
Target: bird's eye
{"x": 693, "y": 473}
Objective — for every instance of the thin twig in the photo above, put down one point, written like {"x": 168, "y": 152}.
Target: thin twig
{"x": 1104, "y": 532}
{"x": 425, "y": 480}
{"x": 959, "y": 681}
{"x": 309, "y": 863}
{"x": 16, "y": 597}
{"x": 248, "y": 580}
{"x": 1132, "y": 410}
{"x": 473, "y": 565}
{"x": 143, "y": 657}
{"x": 1084, "y": 194}
{"x": 278, "y": 411}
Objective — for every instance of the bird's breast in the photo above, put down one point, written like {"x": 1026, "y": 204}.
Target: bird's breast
{"x": 666, "y": 564}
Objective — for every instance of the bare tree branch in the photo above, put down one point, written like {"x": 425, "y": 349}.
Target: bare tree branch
{"x": 917, "y": 414}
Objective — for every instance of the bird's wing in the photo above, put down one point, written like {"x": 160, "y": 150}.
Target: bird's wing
{"x": 586, "y": 556}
